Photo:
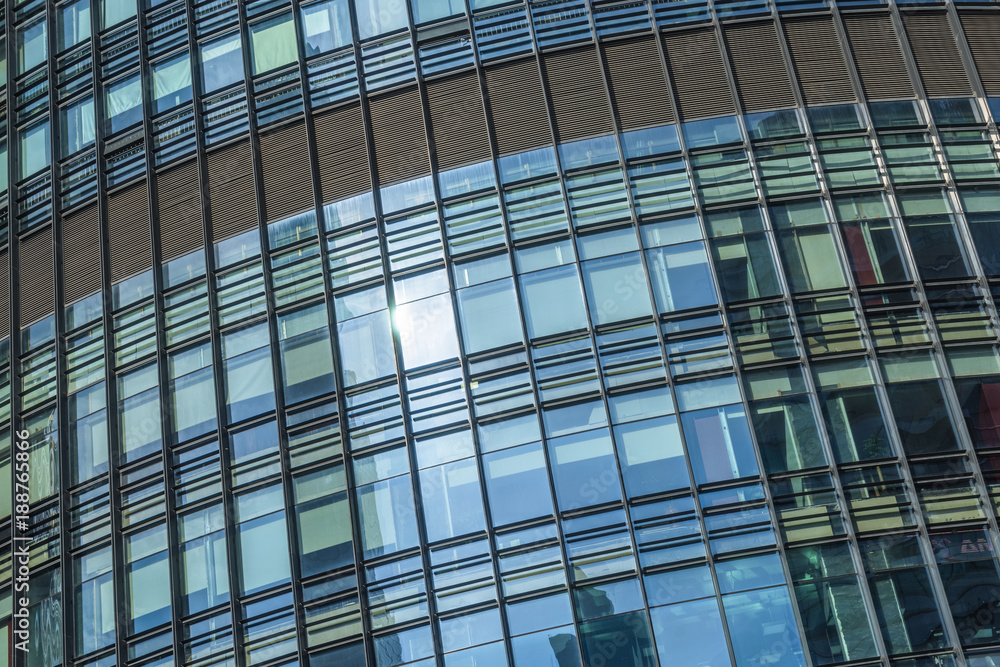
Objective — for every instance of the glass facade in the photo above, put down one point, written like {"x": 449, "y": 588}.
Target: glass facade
{"x": 345, "y": 333}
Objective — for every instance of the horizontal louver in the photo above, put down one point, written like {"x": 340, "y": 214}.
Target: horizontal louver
{"x": 36, "y": 293}
{"x": 517, "y": 106}
{"x": 699, "y": 74}
{"x": 579, "y": 101}
{"x": 232, "y": 201}
{"x": 130, "y": 250}
{"x": 81, "y": 254}
{"x": 982, "y": 31}
{"x": 759, "y": 67}
{"x": 284, "y": 166}
{"x": 178, "y": 205}
{"x": 398, "y": 132}
{"x": 936, "y": 53}
{"x": 4, "y": 296}
{"x": 878, "y": 56}
{"x": 819, "y": 60}
{"x": 458, "y": 121}
{"x": 638, "y": 83}
{"x": 342, "y": 153}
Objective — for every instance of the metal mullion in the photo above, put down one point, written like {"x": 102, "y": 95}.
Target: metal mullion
{"x": 699, "y": 514}
{"x": 526, "y": 344}
{"x": 805, "y": 361}
{"x": 951, "y": 399}
{"x": 62, "y": 453}
{"x": 271, "y": 320}
{"x": 226, "y": 498}
{"x": 463, "y": 356}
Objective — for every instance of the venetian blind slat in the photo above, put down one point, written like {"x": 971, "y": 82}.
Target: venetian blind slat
{"x": 638, "y": 83}
{"x": 936, "y": 54}
{"x": 178, "y": 205}
{"x": 232, "y": 201}
{"x": 819, "y": 61}
{"x": 341, "y": 153}
{"x": 400, "y": 143}
{"x": 81, "y": 254}
{"x": 982, "y": 31}
{"x": 878, "y": 56}
{"x": 36, "y": 283}
{"x": 129, "y": 245}
{"x": 458, "y": 121}
{"x": 699, "y": 74}
{"x": 759, "y": 67}
{"x": 517, "y": 106}
{"x": 284, "y": 165}
{"x": 4, "y": 296}
{"x": 579, "y": 101}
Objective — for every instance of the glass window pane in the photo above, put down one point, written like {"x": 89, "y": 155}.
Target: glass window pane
{"x": 763, "y": 629}
{"x": 691, "y": 634}
{"x": 263, "y": 545}
{"x": 681, "y": 277}
{"x": 171, "y": 82}
{"x": 787, "y": 433}
{"x": 628, "y": 634}
{"x": 114, "y": 12}
{"x": 745, "y": 267}
{"x": 77, "y": 126}
{"x": 922, "y": 416}
{"x": 856, "y": 425}
{"x": 427, "y": 331}
{"x": 273, "y": 43}
{"x": 34, "y": 154}
{"x": 388, "y": 522}
{"x": 366, "y": 348}
{"x": 123, "y": 104}
{"x": 327, "y": 26}
{"x": 810, "y": 259}
{"x": 221, "y": 62}
{"x": 584, "y": 469}
{"x": 452, "y": 500}
{"x": 489, "y": 315}
{"x": 616, "y": 288}
{"x": 553, "y": 301}
{"x": 72, "y": 23}
{"x": 323, "y": 521}
{"x": 192, "y": 393}
{"x": 431, "y": 10}
{"x": 32, "y": 45}
{"x": 835, "y": 621}
{"x": 651, "y": 456}
{"x": 306, "y": 354}
{"x": 719, "y": 443}
{"x": 204, "y": 567}
{"x": 517, "y": 484}
{"x": 376, "y": 17}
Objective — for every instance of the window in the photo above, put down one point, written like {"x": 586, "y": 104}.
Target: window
{"x": 306, "y": 354}
{"x": 431, "y": 10}
{"x": 272, "y": 43}
{"x": 327, "y": 26}
{"x": 426, "y": 326}
{"x": 376, "y": 17}
{"x": 88, "y": 432}
{"x": 517, "y": 484}
{"x": 385, "y": 502}
{"x": 249, "y": 381}
{"x": 262, "y": 539}
{"x": 322, "y": 520}
{"x": 365, "y": 337}
{"x": 72, "y": 24}
{"x": 553, "y": 301}
{"x": 690, "y": 633}
{"x": 77, "y": 125}
{"x": 584, "y": 469}
{"x": 139, "y": 407}
{"x": 651, "y": 456}
{"x": 35, "y": 151}
{"x": 192, "y": 393}
{"x": 221, "y": 62}
{"x": 147, "y": 573}
{"x": 681, "y": 277}
{"x": 204, "y": 574}
{"x": 114, "y": 12}
{"x": 171, "y": 82}
{"x": 616, "y": 288}
{"x": 94, "y": 601}
{"x": 32, "y": 45}
{"x": 123, "y": 104}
